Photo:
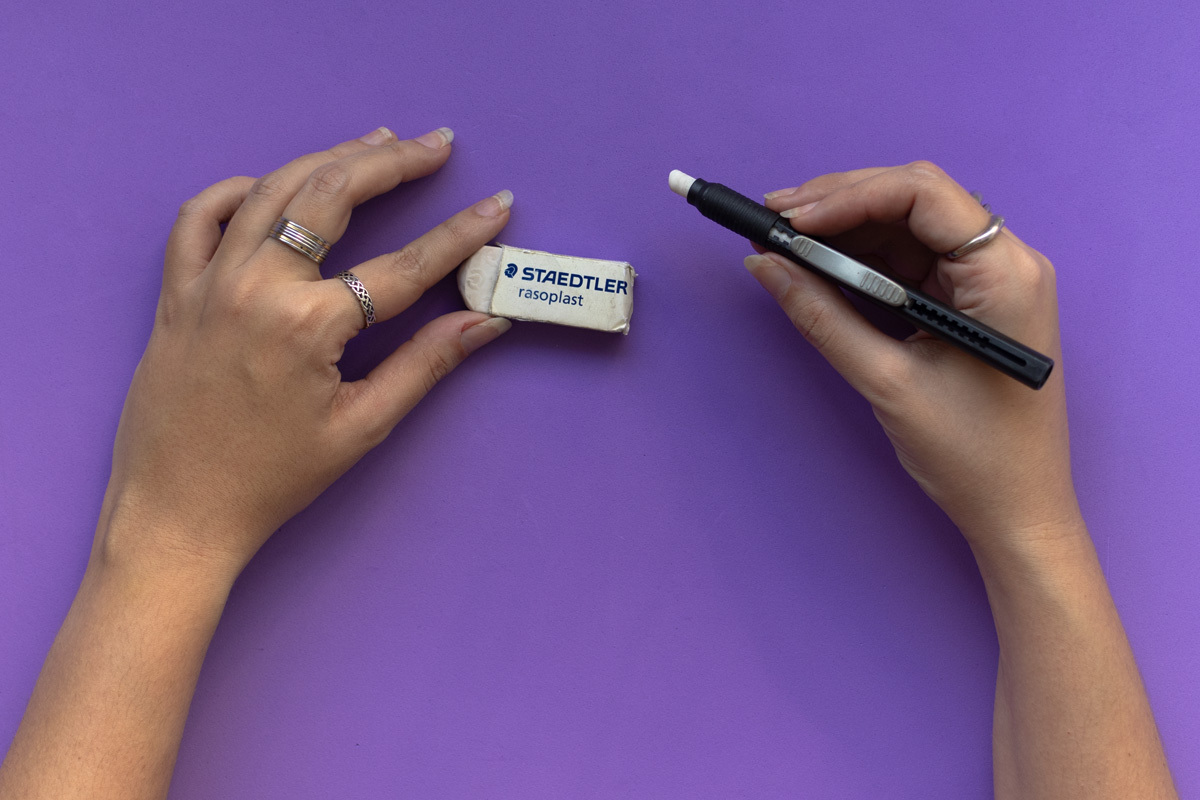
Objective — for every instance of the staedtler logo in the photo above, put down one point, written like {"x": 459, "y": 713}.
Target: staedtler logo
{"x": 510, "y": 270}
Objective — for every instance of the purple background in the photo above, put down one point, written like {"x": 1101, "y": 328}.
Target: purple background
{"x": 679, "y": 564}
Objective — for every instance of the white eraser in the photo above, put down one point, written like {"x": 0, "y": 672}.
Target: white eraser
{"x": 543, "y": 287}
{"x": 680, "y": 182}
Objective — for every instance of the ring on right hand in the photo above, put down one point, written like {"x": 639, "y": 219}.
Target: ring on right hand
{"x": 986, "y": 235}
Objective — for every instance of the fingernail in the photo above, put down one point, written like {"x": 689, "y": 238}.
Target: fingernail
{"x": 489, "y": 330}
{"x": 378, "y": 136}
{"x": 779, "y": 193}
{"x": 774, "y": 278}
{"x": 791, "y": 213}
{"x": 437, "y": 139}
{"x": 495, "y": 205}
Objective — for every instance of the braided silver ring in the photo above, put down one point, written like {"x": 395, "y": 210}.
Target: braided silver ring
{"x": 300, "y": 239}
{"x": 364, "y": 298}
{"x": 986, "y": 235}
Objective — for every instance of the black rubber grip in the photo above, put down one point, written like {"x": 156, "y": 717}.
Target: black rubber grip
{"x": 734, "y": 211}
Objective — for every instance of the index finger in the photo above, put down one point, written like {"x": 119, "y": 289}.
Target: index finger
{"x": 1006, "y": 284}
{"x": 817, "y": 188}
{"x": 395, "y": 280}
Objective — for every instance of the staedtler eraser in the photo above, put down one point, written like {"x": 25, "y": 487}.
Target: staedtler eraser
{"x": 543, "y": 287}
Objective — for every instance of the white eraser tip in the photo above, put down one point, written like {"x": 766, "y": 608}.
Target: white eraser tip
{"x": 680, "y": 182}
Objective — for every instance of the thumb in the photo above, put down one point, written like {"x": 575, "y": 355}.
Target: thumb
{"x": 388, "y": 392}
{"x": 869, "y": 359}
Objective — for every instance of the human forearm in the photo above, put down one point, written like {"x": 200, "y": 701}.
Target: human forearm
{"x": 1072, "y": 718}
{"x": 108, "y": 710}
{"x": 236, "y": 419}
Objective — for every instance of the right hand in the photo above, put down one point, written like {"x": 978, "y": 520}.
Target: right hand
{"x": 991, "y": 452}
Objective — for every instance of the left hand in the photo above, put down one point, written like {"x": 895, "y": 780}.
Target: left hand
{"x": 237, "y": 417}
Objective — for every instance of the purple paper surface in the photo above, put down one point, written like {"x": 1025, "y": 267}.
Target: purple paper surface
{"x": 683, "y": 563}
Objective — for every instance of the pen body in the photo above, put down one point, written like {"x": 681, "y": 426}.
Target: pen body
{"x": 762, "y": 226}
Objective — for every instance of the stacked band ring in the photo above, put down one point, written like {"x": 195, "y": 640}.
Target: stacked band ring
{"x": 300, "y": 239}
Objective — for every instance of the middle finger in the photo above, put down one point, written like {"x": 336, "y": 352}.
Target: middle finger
{"x": 271, "y": 193}
{"x": 894, "y": 243}
{"x": 332, "y": 190}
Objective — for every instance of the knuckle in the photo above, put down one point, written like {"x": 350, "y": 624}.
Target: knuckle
{"x": 405, "y": 261}
{"x": 304, "y": 312}
{"x": 406, "y": 268}
{"x": 344, "y": 149}
{"x": 402, "y": 154}
{"x": 168, "y": 309}
{"x": 330, "y": 180}
{"x": 373, "y": 434}
{"x": 193, "y": 207}
{"x": 925, "y": 171}
{"x": 237, "y": 299}
{"x": 1030, "y": 276}
{"x": 298, "y": 318}
{"x": 1026, "y": 277}
{"x": 269, "y": 187}
{"x": 809, "y": 315}
{"x": 1044, "y": 263}
{"x": 891, "y": 378}
{"x": 438, "y": 365}
{"x": 445, "y": 241}
{"x": 457, "y": 229}
{"x": 397, "y": 146}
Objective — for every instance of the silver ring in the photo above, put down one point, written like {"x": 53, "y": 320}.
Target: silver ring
{"x": 300, "y": 239}
{"x": 364, "y": 298}
{"x": 986, "y": 235}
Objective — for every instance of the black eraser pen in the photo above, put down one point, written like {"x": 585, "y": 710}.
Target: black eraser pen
{"x": 764, "y": 227}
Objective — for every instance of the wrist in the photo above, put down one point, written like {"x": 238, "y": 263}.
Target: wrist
{"x": 136, "y": 544}
{"x": 1005, "y": 522}
{"x": 188, "y": 601}
{"x": 1018, "y": 558}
